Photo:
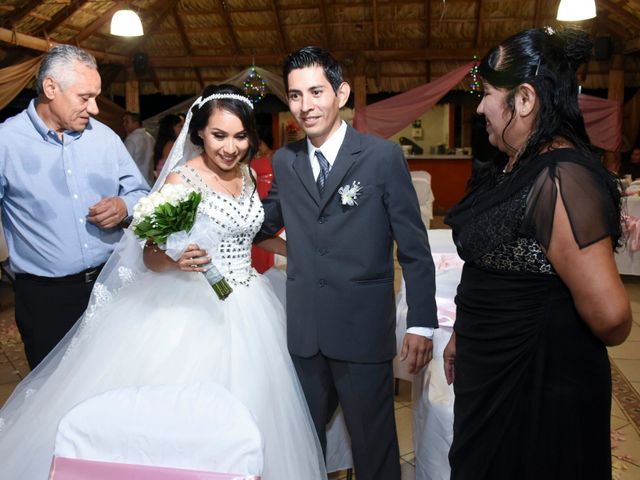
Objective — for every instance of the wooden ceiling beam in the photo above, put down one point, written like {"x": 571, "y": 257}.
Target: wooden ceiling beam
{"x": 376, "y": 39}
{"x": 631, "y": 46}
{"x": 325, "y": 29}
{"x": 427, "y": 39}
{"x": 161, "y": 8}
{"x": 62, "y": 15}
{"x": 612, "y": 27}
{"x": 98, "y": 23}
{"x": 42, "y": 45}
{"x": 19, "y": 13}
{"x": 230, "y": 30}
{"x": 537, "y": 15}
{"x": 611, "y": 7}
{"x": 479, "y": 24}
{"x": 276, "y": 14}
{"x": 186, "y": 43}
{"x": 419, "y": 54}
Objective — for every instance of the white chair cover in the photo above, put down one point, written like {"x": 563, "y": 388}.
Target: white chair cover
{"x": 432, "y": 398}
{"x": 422, "y": 183}
{"x": 433, "y": 414}
{"x": 196, "y": 427}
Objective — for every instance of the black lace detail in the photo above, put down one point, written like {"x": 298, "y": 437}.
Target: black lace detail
{"x": 492, "y": 239}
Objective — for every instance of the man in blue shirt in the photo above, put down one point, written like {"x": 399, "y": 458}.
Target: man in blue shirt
{"x": 67, "y": 183}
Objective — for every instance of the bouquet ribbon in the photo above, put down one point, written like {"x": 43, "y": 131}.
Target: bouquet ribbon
{"x": 207, "y": 238}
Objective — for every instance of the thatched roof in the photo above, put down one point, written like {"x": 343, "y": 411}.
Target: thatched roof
{"x": 398, "y": 45}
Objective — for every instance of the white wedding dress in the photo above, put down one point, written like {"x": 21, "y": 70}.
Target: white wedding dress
{"x": 170, "y": 328}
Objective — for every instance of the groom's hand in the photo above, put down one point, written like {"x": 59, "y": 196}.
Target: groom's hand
{"x": 417, "y": 351}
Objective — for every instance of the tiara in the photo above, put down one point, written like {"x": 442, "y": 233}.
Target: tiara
{"x": 221, "y": 96}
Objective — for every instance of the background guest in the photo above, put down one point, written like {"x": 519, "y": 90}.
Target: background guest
{"x": 261, "y": 259}
{"x": 540, "y": 297}
{"x": 67, "y": 183}
{"x": 168, "y": 130}
{"x": 631, "y": 164}
{"x": 140, "y": 144}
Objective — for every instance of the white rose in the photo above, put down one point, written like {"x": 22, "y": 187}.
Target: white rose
{"x": 174, "y": 193}
{"x": 142, "y": 209}
{"x": 156, "y": 199}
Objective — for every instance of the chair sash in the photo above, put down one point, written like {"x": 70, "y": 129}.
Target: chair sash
{"x": 75, "y": 469}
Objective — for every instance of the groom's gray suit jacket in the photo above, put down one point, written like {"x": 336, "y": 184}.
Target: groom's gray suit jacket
{"x": 340, "y": 270}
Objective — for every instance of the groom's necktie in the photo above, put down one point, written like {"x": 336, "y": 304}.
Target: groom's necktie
{"x": 324, "y": 171}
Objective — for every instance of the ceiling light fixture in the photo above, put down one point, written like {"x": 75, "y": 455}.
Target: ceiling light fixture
{"x": 576, "y": 10}
{"x": 126, "y": 23}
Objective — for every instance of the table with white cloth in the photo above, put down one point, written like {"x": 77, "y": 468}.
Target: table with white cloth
{"x": 628, "y": 257}
{"x": 432, "y": 399}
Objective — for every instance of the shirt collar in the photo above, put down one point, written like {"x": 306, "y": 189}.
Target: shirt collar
{"x": 42, "y": 129}
{"x": 331, "y": 146}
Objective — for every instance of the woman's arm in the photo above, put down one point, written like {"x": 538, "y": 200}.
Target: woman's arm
{"x": 274, "y": 244}
{"x": 190, "y": 261}
{"x": 592, "y": 277}
{"x": 449, "y": 356}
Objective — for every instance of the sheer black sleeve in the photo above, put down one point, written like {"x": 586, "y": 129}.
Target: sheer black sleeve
{"x": 586, "y": 194}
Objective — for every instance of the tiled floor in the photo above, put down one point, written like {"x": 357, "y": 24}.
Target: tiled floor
{"x": 625, "y": 413}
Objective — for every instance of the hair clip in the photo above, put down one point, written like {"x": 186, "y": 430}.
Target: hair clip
{"x": 538, "y": 66}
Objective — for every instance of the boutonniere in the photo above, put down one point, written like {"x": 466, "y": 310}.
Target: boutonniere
{"x": 349, "y": 194}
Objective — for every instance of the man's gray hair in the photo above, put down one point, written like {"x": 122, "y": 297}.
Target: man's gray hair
{"x": 59, "y": 63}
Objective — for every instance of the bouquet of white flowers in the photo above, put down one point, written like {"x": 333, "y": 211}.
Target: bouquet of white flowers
{"x": 166, "y": 216}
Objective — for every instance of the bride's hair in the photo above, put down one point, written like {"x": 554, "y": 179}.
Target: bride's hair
{"x": 235, "y": 103}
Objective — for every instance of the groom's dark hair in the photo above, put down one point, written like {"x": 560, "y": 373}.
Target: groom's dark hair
{"x": 309, "y": 57}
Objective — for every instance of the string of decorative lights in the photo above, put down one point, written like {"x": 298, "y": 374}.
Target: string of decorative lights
{"x": 254, "y": 86}
{"x": 474, "y": 84}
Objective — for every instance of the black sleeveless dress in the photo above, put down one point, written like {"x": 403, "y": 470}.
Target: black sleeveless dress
{"x": 532, "y": 385}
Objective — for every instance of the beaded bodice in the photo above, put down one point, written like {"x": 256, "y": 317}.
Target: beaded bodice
{"x": 237, "y": 220}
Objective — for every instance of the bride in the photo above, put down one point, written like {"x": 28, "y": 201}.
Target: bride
{"x": 153, "y": 320}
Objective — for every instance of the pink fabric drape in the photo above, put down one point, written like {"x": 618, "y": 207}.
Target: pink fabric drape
{"x": 389, "y": 116}
{"x": 77, "y": 469}
{"x": 603, "y": 118}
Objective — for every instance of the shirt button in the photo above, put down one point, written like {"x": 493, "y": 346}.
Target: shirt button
{"x": 69, "y": 171}
{"x": 322, "y": 251}
{"x": 322, "y": 220}
{"x": 81, "y": 220}
{"x": 86, "y": 246}
{"x": 322, "y": 282}
{"x": 75, "y": 195}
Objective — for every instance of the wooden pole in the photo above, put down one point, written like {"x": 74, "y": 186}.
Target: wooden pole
{"x": 132, "y": 91}
{"x": 616, "y": 92}
{"x": 360, "y": 83}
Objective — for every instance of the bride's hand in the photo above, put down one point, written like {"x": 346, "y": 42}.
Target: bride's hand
{"x": 193, "y": 259}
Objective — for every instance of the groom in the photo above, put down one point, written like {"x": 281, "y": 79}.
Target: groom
{"x": 343, "y": 198}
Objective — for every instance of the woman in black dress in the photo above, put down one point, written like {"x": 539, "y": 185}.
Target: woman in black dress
{"x": 540, "y": 296}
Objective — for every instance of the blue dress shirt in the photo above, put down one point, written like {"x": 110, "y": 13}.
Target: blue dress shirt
{"x": 47, "y": 186}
